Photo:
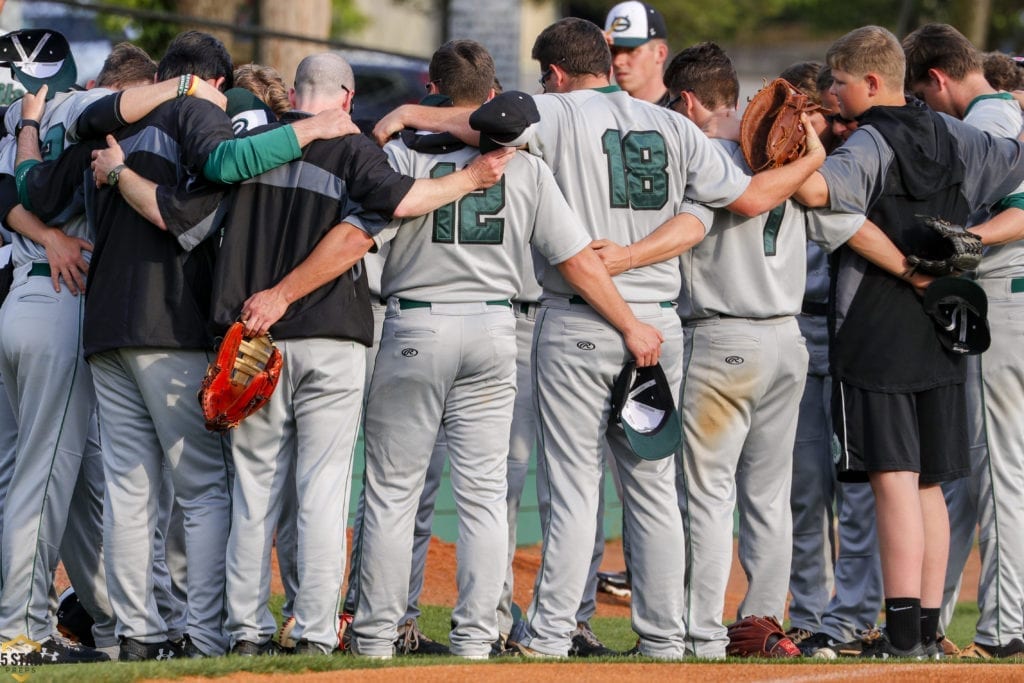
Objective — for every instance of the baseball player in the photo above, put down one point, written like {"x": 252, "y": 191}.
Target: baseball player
{"x": 147, "y": 367}
{"x": 945, "y": 70}
{"x": 410, "y": 640}
{"x": 887, "y": 361}
{"x": 639, "y": 43}
{"x": 318, "y": 402}
{"x": 50, "y": 383}
{"x": 746, "y": 362}
{"x": 466, "y": 381}
{"x": 590, "y": 124}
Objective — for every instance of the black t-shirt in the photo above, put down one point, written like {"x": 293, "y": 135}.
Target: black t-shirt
{"x": 144, "y": 289}
{"x": 277, "y": 218}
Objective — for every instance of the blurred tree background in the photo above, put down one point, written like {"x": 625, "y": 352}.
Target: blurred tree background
{"x": 990, "y": 24}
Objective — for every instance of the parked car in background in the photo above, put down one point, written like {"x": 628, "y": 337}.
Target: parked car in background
{"x": 384, "y": 81}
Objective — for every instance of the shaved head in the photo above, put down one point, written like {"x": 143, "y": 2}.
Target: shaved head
{"x": 323, "y": 75}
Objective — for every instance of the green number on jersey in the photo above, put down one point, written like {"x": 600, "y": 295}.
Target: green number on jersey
{"x": 637, "y": 163}
{"x": 52, "y": 143}
{"x": 771, "y": 228}
{"x": 474, "y": 214}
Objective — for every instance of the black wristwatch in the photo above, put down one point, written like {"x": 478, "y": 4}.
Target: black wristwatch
{"x": 115, "y": 175}
{"x": 25, "y": 123}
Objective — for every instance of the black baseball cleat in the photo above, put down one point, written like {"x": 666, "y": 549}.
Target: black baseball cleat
{"x": 412, "y": 641}
{"x": 815, "y": 645}
{"x": 878, "y": 646}
{"x": 136, "y": 651}
{"x": 586, "y": 644}
{"x": 247, "y": 648}
{"x": 53, "y": 650}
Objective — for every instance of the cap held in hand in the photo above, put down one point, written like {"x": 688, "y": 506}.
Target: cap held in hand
{"x": 642, "y": 404}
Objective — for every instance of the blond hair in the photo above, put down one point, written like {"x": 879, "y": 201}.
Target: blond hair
{"x": 869, "y": 49}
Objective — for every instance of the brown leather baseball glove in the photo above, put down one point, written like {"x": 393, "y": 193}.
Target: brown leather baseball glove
{"x": 771, "y": 134}
{"x": 240, "y": 379}
{"x": 759, "y": 637}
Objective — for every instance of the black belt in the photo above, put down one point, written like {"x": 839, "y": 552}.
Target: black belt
{"x": 814, "y": 308}
{"x": 41, "y": 269}
{"x": 405, "y": 304}
{"x": 577, "y": 299}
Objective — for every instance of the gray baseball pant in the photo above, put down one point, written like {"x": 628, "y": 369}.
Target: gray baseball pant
{"x": 149, "y": 416}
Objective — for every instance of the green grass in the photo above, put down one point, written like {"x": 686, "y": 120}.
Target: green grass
{"x": 615, "y": 632}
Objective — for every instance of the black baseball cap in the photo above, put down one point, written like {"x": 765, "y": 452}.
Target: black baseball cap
{"x": 504, "y": 120}
{"x": 642, "y": 404}
{"x": 39, "y": 56}
{"x": 959, "y": 307}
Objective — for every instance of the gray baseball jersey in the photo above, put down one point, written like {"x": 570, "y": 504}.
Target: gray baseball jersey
{"x": 746, "y": 366}
{"x": 994, "y": 393}
{"x": 447, "y": 357}
{"x": 56, "y": 474}
{"x": 626, "y": 167}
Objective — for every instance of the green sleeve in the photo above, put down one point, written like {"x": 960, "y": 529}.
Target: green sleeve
{"x": 19, "y": 178}
{"x": 233, "y": 161}
{"x": 1013, "y": 201}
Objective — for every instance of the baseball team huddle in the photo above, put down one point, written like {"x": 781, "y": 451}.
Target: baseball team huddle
{"x": 591, "y": 276}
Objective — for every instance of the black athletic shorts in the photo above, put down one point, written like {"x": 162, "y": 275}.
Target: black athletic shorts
{"x": 924, "y": 431}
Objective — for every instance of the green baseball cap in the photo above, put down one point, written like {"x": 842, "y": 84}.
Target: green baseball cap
{"x": 642, "y": 405}
{"x": 38, "y": 57}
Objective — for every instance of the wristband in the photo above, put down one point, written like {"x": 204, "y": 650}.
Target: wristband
{"x": 115, "y": 175}
{"x": 182, "y": 85}
{"x": 191, "y": 86}
{"x": 25, "y": 123}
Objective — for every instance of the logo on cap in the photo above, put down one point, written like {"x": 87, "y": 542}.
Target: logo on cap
{"x": 619, "y": 24}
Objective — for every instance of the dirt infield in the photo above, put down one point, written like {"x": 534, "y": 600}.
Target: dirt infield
{"x": 571, "y": 672}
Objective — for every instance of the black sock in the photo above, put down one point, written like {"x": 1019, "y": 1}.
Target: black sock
{"x": 903, "y": 622}
{"x": 929, "y": 625}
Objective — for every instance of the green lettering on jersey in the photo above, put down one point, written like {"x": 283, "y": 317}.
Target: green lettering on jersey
{"x": 637, "y": 163}
{"x": 52, "y": 143}
{"x": 444, "y": 217}
{"x": 771, "y": 228}
{"x": 474, "y": 214}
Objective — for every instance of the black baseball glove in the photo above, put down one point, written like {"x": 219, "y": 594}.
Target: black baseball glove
{"x": 965, "y": 248}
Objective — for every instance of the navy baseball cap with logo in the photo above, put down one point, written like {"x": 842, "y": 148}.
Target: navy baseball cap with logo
{"x": 39, "y": 56}
{"x": 642, "y": 404}
{"x": 504, "y": 120}
{"x": 631, "y": 24}
{"x": 959, "y": 307}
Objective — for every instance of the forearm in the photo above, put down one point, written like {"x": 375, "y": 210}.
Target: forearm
{"x": 587, "y": 275}
{"x": 233, "y": 161}
{"x": 136, "y": 103}
{"x": 813, "y": 193}
{"x": 339, "y": 250}
{"x": 140, "y": 194}
{"x": 673, "y": 237}
{"x": 428, "y": 194}
{"x": 1006, "y": 226}
{"x": 28, "y": 146}
{"x": 875, "y": 246}
{"x": 770, "y": 188}
{"x": 454, "y": 120}
{"x": 27, "y": 224}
